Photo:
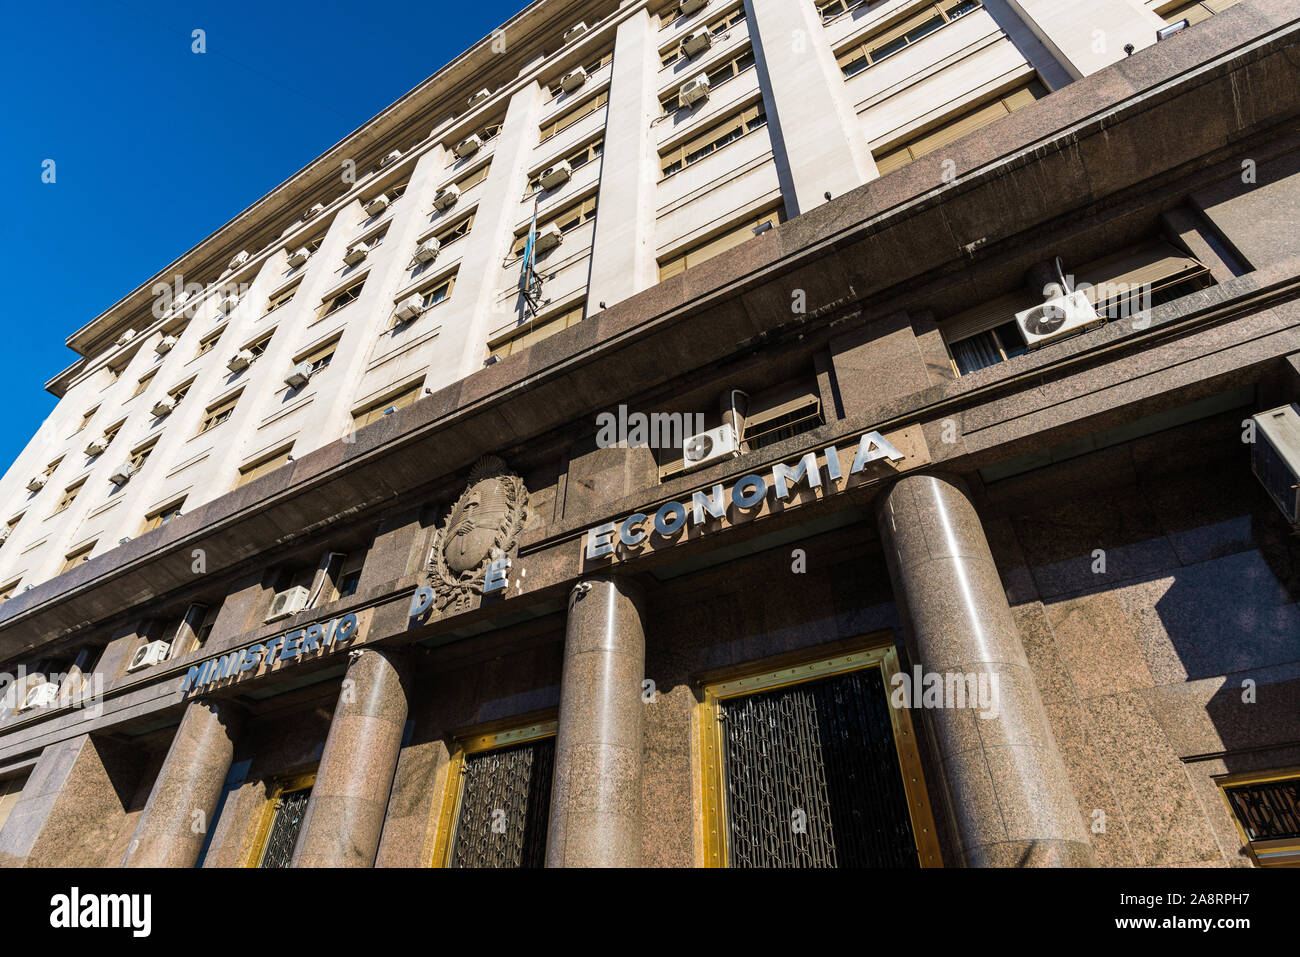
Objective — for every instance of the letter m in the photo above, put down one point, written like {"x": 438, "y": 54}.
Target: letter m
{"x": 807, "y": 468}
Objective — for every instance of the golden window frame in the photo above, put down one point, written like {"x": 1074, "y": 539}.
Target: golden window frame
{"x": 1275, "y": 853}
{"x": 283, "y": 784}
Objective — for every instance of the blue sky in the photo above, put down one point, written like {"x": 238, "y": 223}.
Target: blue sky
{"x": 156, "y": 146}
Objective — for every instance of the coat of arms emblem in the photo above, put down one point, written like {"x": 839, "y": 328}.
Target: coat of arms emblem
{"x": 483, "y": 525}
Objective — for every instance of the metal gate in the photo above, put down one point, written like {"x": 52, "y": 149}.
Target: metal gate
{"x": 812, "y": 777}
{"x": 505, "y": 807}
{"x": 285, "y": 827}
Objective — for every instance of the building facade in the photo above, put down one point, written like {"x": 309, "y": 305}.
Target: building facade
{"x": 884, "y": 463}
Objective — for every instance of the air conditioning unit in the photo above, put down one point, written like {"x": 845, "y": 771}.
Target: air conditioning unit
{"x": 240, "y": 360}
{"x": 709, "y": 446}
{"x": 377, "y": 205}
{"x": 164, "y": 406}
{"x": 691, "y": 6}
{"x": 122, "y": 474}
{"x": 446, "y": 198}
{"x": 1275, "y": 458}
{"x": 40, "y": 696}
{"x": 313, "y": 210}
{"x": 1058, "y": 317}
{"x": 299, "y": 256}
{"x": 575, "y": 31}
{"x": 479, "y": 97}
{"x": 96, "y": 446}
{"x": 299, "y": 377}
{"x": 409, "y": 308}
{"x": 427, "y": 251}
{"x": 356, "y": 253}
{"x": 164, "y": 345}
{"x": 241, "y": 257}
{"x": 694, "y": 44}
{"x": 573, "y": 80}
{"x": 694, "y": 91}
{"x": 148, "y": 655}
{"x": 36, "y": 484}
{"x": 391, "y": 158}
{"x": 124, "y": 338}
{"x": 288, "y": 602}
{"x": 468, "y": 146}
{"x": 556, "y": 176}
{"x": 548, "y": 237}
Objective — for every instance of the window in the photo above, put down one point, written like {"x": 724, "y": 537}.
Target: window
{"x": 160, "y": 517}
{"x": 705, "y": 144}
{"x": 49, "y": 469}
{"x": 487, "y": 133}
{"x": 375, "y": 411}
{"x": 673, "y": 52}
{"x": 1194, "y": 12}
{"x": 679, "y": 262}
{"x": 178, "y": 393}
{"x": 958, "y": 126}
{"x": 781, "y": 413}
{"x": 79, "y": 557}
{"x": 1266, "y": 807}
{"x": 456, "y": 231}
{"x": 216, "y": 414}
{"x": 281, "y": 298}
{"x": 110, "y": 433}
{"x": 12, "y": 524}
{"x": 141, "y": 454}
{"x": 439, "y": 292}
{"x": 576, "y": 115}
{"x": 717, "y": 75}
{"x": 319, "y": 357}
{"x": 988, "y": 348}
{"x": 540, "y": 328}
{"x": 591, "y": 66}
{"x": 282, "y": 817}
{"x": 143, "y": 382}
{"x": 577, "y": 160}
{"x": 69, "y": 496}
{"x": 474, "y": 178}
{"x": 883, "y": 43}
{"x": 211, "y": 339}
{"x": 85, "y": 419}
{"x": 347, "y": 576}
{"x": 830, "y": 9}
{"x": 7, "y": 591}
{"x": 374, "y": 240}
{"x": 263, "y": 466}
{"x": 520, "y": 763}
{"x": 569, "y": 219}
{"x": 340, "y": 299}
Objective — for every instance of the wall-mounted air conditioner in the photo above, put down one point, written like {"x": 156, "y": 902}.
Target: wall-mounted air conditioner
{"x": 241, "y": 257}
{"x": 391, "y": 158}
{"x": 709, "y": 446}
{"x": 427, "y": 251}
{"x": 148, "y": 655}
{"x": 299, "y": 377}
{"x": 299, "y": 256}
{"x": 124, "y": 338}
{"x": 575, "y": 31}
{"x": 40, "y": 696}
{"x": 695, "y": 90}
{"x": 409, "y": 308}
{"x": 96, "y": 446}
{"x": 573, "y": 80}
{"x": 1055, "y": 318}
{"x": 314, "y": 209}
{"x": 36, "y": 484}
{"x": 1275, "y": 458}
{"x": 356, "y": 253}
{"x": 377, "y": 205}
{"x": 288, "y": 602}
{"x": 548, "y": 237}
{"x": 691, "y": 6}
{"x": 164, "y": 406}
{"x": 164, "y": 345}
{"x": 479, "y": 97}
{"x": 122, "y": 474}
{"x": 468, "y": 146}
{"x": 446, "y": 198}
{"x": 240, "y": 360}
{"x": 556, "y": 176}
{"x": 693, "y": 44}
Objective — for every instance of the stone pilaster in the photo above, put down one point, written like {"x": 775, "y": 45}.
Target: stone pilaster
{"x": 1007, "y": 787}
{"x": 183, "y": 802}
{"x": 345, "y": 815}
{"x": 596, "y": 798}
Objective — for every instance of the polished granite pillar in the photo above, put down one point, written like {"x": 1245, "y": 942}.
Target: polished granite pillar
{"x": 1008, "y": 793}
{"x": 175, "y": 821}
{"x": 345, "y": 814}
{"x": 596, "y": 796}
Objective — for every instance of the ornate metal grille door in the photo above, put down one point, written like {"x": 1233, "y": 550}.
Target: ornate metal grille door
{"x": 813, "y": 779}
{"x": 283, "y": 837}
{"x": 505, "y": 807}
{"x": 1269, "y": 811}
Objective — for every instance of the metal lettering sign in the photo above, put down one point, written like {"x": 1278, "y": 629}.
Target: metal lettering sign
{"x": 317, "y": 639}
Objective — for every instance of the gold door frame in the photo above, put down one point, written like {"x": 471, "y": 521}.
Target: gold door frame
{"x": 872, "y": 651}
{"x": 1276, "y": 853}
{"x": 279, "y": 786}
{"x": 473, "y": 742}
